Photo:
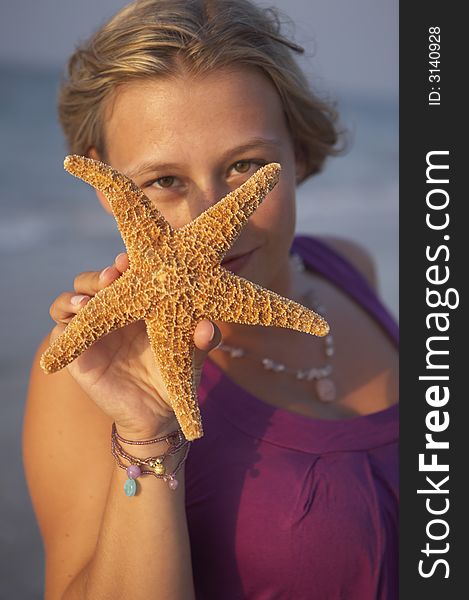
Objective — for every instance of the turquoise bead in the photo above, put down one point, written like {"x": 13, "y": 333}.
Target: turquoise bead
{"x": 130, "y": 487}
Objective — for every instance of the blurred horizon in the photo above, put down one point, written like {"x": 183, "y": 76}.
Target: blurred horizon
{"x": 337, "y": 36}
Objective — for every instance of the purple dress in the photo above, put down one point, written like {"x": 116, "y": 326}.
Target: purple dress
{"x": 282, "y": 506}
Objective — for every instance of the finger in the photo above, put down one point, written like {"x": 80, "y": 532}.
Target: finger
{"x": 66, "y": 306}
{"x": 91, "y": 282}
{"x": 206, "y": 337}
{"x": 121, "y": 262}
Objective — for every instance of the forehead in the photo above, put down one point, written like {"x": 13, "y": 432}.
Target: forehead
{"x": 229, "y": 102}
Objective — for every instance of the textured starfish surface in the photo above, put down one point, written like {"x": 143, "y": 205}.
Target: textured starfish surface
{"x": 174, "y": 280}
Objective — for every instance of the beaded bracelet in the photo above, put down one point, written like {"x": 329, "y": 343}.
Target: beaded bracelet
{"x": 154, "y": 464}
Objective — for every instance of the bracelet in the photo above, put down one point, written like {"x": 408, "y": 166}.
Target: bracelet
{"x": 153, "y": 465}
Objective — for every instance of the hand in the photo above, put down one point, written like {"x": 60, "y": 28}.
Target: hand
{"x": 119, "y": 372}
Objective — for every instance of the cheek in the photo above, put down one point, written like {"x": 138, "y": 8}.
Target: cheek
{"x": 276, "y": 216}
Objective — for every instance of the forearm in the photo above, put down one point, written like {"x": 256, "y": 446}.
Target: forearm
{"x": 143, "y": 549}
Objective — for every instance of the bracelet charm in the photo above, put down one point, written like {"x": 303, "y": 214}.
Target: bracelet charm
{"x": 153, "y": 465}
{"x": 130, "y": 487}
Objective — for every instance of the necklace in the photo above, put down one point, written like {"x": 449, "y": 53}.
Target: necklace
{"x": 324, "y": 385}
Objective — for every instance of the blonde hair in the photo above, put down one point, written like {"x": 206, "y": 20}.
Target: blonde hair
{"x": 150, "y": 38}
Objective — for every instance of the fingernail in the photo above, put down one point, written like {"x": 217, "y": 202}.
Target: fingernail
{"x": 103, "y": 272}
{"x": 119, "y": 255}
{"x": 77, "y": 299}
{"x": 213, "y": 331}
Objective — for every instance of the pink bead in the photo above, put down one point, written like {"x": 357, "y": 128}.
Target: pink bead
{"x": 173, "y": 483}
{"x": 133, "y": 471}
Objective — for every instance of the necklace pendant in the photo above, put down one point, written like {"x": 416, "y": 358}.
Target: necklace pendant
{"x": 326, "y": 390}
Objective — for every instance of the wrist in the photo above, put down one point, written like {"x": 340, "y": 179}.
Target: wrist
{"x": 157, "y": 430}
{"x": 163, "y": 462}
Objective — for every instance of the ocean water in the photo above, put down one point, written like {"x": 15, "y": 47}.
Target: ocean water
{"x": 52, "y": 227}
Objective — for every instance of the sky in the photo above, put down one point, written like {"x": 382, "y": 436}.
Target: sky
{"x": 351, "y": 45}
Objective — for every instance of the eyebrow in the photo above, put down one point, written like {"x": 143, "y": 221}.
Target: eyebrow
{"x": 151, "y": 165}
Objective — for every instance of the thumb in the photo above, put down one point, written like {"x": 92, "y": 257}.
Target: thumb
{"x": 207, "y": 336}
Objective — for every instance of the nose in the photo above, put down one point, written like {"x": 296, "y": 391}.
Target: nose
{"x": 206, "y": 195}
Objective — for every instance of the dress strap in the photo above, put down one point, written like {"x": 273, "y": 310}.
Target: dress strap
{"x": 322, "y": 258}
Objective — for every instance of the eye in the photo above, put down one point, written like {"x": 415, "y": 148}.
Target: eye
{"x": 164, "y": 182}
{"x": 242, "y": 166}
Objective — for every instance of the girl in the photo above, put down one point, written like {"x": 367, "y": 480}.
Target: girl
{"x": 292, "y": 491}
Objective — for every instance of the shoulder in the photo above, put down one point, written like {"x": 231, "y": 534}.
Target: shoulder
{"x": 356, "y": 254}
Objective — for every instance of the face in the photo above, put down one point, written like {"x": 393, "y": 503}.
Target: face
{"x": 187, "y": 142}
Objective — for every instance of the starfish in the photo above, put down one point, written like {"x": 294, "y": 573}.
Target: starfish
{"x": 174, "y": 280}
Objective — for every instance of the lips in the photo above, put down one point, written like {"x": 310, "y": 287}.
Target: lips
{"x": 237, "y": 262}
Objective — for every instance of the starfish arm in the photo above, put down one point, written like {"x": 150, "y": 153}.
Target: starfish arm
{"x": 237, "y": 300}
{"x": 173, "y": 350}
{"x": 141, "y": 225}
{"x": 111, "y": 308}
{"x": 212, "y": 233}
